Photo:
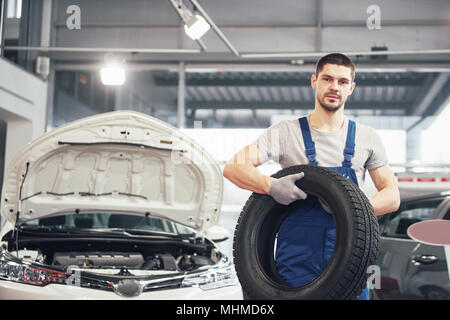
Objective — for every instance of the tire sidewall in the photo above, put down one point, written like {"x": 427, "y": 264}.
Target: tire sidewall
{"x": 262, "y": 210}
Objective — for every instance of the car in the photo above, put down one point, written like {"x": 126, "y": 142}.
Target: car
{"x": 118, "y": 205}
{"x": 410, "y": 269}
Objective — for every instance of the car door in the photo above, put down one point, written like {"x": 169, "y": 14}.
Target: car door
{"x": 396, "y": 249}
{"x": 427, "y": 275}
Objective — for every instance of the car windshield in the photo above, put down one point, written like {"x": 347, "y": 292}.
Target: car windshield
{"x": 109, "y": 221}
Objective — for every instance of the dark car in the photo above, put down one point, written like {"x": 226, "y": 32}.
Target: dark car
{"x": 410, "y": 269}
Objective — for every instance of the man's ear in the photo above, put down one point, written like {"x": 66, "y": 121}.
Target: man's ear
{"x": 313, "y": 82}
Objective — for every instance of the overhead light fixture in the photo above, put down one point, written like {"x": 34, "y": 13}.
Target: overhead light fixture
{"x": 14, "y": 9}
{"x": 113, "y": 74}
{"x": 196, "y": 27}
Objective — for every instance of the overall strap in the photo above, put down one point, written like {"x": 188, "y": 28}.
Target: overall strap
{"x": 349, "y": 150}
{"x": 307, "y": 140}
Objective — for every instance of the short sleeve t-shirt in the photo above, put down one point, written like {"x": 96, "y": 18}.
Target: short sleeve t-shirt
{"x": 283, "y": 143}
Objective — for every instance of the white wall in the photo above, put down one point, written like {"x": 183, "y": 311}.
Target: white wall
{"x": 23, "y": 101}
{"x": 435, "y": 145}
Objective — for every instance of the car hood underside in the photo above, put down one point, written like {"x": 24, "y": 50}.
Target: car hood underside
{"x": 120, "y": 161}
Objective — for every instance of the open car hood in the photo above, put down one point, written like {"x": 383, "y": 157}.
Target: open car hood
{"x": 120, "y": 161}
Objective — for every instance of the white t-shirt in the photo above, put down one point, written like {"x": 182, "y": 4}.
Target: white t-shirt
{"x": 283, "y": 143}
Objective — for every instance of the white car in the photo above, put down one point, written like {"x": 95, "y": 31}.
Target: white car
{"x": 114, "y": 206}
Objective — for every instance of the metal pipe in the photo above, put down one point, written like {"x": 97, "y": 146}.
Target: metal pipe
{"x": 215, "y": 28}
{"x": 202, "y": 45}
{"x": 46, "y": 23}
{"x": 181, "y": 96}
{"x": 319, "y": 6}
{"x": 300, "y": 24}
{"x": 2, "y": 21}
{"x": 245, "y": 56}
{"x": 247, "y": 67}
{"x": 124, "y": 50}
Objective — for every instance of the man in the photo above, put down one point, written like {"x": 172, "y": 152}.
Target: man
{"x": 326, "y": 138}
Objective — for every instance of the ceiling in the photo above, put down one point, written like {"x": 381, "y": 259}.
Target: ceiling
{"x": 303, "y": 29}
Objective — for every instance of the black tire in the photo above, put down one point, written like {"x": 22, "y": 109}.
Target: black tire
{"x": 356, "y": 247}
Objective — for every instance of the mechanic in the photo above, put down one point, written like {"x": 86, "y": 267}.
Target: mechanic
{"x": 307, "y": 236}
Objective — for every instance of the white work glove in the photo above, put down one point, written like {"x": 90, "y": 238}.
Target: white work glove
{"x": 284, "y": 190}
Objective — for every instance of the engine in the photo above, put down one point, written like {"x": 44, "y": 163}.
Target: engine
{"x": 121, "y": 260}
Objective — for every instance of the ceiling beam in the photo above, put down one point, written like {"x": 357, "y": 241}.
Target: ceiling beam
{"x": 372, "y": 67}
{"x": 152, "y": 55}
{"x": 368, "y": 105}
{"x": 296, "y": 82}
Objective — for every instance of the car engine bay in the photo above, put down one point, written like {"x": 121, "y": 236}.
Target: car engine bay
{"x": 170, "y": 256}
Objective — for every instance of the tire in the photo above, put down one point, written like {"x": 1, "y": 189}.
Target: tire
{"x": 356, "y": 246}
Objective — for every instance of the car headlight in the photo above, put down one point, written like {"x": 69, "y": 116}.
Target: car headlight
{"x": 27, "y": 274}
{"x": 212, "y": 279}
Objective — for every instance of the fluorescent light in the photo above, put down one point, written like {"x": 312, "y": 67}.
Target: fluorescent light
{"x": 112, "y": 75}
{"x": 14, "y": 9}
{"x": 196, "y": 27}
{"x": 19, "y": 9}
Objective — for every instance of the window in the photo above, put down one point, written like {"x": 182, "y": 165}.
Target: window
{"x": 397, "y": 223}
{"x": 14, "y": 9}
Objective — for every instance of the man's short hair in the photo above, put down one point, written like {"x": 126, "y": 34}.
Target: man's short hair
{"x": 335, "y": 58}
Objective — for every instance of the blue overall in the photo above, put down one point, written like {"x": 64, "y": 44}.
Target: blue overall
{"x": 307, "y": 236}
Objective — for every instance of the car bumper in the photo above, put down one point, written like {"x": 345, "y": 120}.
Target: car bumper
{"x": 18, "y": 291}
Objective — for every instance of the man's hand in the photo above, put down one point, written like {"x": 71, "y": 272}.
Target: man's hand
{"x": 284, "y": 190}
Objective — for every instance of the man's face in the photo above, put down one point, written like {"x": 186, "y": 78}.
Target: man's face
{"x": 333, "y": 85}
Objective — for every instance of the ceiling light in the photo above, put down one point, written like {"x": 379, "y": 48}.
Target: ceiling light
{"x": 196, "y": 26}
{"x": 113, "y": 74}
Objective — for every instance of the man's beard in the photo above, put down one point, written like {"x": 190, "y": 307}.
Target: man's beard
{"x": 330, "y": 108}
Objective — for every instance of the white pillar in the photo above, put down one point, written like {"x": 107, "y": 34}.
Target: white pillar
{"x": 181, "y": 96}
